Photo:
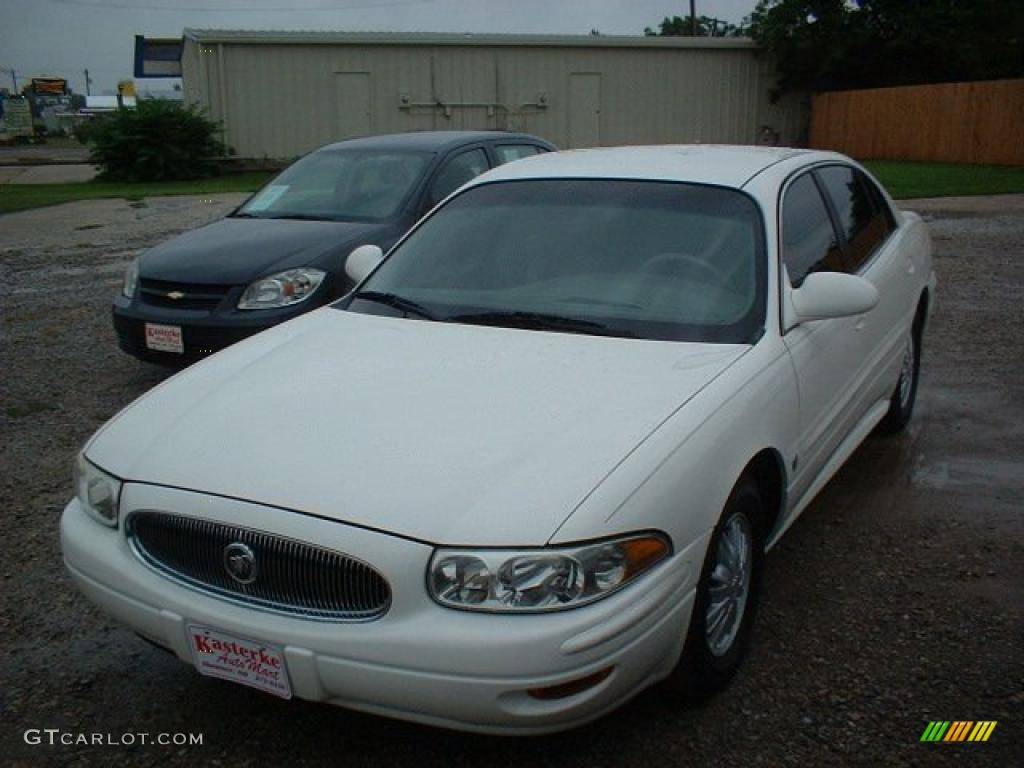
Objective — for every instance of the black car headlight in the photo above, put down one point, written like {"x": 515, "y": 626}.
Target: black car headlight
{"x": 282, "y": 289}
{"x": 131, "y": 279}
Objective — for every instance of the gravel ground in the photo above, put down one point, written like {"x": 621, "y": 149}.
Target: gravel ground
{"x": 897, "y": 599}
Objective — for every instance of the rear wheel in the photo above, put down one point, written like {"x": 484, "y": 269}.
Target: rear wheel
{"x": 727, "y": 597}
{"x": 901, "y": 405}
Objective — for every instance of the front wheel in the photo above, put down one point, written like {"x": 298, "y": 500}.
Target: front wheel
{"x": 727, "y": 597}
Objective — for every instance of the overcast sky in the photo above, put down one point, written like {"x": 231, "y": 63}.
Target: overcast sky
{"x": 60, "y": 38}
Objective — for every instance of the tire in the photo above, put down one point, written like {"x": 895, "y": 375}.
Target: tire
{"x": 901, "y": 404}
{"x": 715, "y": 643}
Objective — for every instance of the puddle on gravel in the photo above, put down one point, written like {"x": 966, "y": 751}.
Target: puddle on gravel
{"x": 965, "y": 472}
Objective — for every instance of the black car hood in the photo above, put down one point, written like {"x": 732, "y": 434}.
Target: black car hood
{"x": 233, "y": 251}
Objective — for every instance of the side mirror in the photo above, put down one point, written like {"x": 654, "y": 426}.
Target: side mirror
{"x": 362, "y": 261}
{"x": 826, "y": 295}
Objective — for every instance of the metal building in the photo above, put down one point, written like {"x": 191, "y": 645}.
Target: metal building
{"x": 280, "y": 94}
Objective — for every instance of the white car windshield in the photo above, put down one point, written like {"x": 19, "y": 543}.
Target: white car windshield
{"x": 642, "y": 259}
{"x": 344, "y": 185}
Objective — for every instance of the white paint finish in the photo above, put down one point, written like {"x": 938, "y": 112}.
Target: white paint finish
{"x": 723, "y": 165}
{"x": 678, "y": 479}
{"x": 362, "y": 261}
{"x": 448, "y": 433}
{"x": 397, "y": 664}
{"x": 824, "y": 355}
{"x": 829, "y": 295}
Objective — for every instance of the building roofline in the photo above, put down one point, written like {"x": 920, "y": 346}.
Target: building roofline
{"x": 314, "y": 37}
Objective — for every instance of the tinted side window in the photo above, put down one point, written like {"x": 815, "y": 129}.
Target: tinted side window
{"x": 808, "y": 238}
{"x": 456, "y": 172}
{"x": 881, "y": 204}
{"x": 864, "y": 226}
{"x": 508, "y": 152}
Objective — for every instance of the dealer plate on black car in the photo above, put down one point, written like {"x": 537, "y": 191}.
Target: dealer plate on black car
{"x": 164, "y": 338}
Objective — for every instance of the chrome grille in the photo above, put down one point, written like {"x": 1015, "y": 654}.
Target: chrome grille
{"x": 290, "y": 577}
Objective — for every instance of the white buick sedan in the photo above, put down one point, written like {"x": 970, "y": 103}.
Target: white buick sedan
{"x": 532, "y": 464}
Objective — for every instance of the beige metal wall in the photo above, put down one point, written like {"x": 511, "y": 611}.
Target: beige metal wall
{"x": 280, "y": 100}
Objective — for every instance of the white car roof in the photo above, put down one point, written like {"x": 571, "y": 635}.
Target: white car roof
{"x": 724, "y": 165}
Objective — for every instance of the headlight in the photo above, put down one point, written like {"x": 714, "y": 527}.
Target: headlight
{"x": 548, "y": 579}
{"x": 282, "y": 289}
{"x": 98, "y": 492}
{"x": 131, "y": 277}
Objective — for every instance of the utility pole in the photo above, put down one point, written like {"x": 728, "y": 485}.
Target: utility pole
{"x": 693, "y": 17}
{"x": 88, "y": 81}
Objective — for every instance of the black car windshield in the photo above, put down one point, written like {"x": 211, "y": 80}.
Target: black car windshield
{"x": 639, "y": 259}
{"x": 340, "y": 184}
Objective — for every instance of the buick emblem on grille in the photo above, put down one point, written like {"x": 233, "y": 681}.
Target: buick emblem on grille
{"x": 175, "y": 295}
{"x": 240, "y": 562}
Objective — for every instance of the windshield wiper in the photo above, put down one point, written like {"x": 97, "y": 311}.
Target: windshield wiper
{"x": 396, "y": 301}
{"x": 245, "y": 215}
{"x": 298, "y": 217}
{"x": 540, "y": 321}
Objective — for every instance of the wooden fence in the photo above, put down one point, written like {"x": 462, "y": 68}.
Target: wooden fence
{"x": 980, "y": 122}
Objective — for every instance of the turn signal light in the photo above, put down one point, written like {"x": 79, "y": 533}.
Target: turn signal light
{"x": 571, "y": 688}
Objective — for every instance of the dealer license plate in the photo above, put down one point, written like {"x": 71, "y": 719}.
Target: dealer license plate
{"x": 164, "y": 338}
{"x": 244, "y": 661}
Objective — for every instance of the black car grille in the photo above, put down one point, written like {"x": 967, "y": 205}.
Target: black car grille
{"x": 161, "y": 293}
{"x": 289, "y": 576}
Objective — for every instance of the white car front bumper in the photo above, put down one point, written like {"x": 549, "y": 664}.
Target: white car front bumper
{"x": 419, "y": 661}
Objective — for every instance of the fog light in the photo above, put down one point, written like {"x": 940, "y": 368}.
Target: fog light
{"x": 571, "y": 688}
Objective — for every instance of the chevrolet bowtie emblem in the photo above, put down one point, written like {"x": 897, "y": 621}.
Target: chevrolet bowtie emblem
{"x": 175, "y": 295}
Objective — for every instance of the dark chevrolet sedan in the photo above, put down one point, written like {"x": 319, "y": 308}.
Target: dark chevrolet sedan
{"x": 283, "y": 252}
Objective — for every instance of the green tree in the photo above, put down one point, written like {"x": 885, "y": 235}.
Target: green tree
{"x": 157, "y": 141}
{"x": 833, "y": 44}
{"x": 677, "y": 26}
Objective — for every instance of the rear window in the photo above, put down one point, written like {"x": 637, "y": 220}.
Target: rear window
{"x": 508, "y": 152}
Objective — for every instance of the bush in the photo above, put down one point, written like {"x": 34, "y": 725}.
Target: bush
{"x": 84, "y": 131}
{"x": 157, "y": 141}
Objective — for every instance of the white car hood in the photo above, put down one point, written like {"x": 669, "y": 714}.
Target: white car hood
{"x": 444, "y": 433}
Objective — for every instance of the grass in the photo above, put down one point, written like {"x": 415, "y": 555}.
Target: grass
{"x": 62, "y": 142}
{"x": 21, "y": 197}
{"x": 902, "y": 179}
{"x": 906, "y": 179}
